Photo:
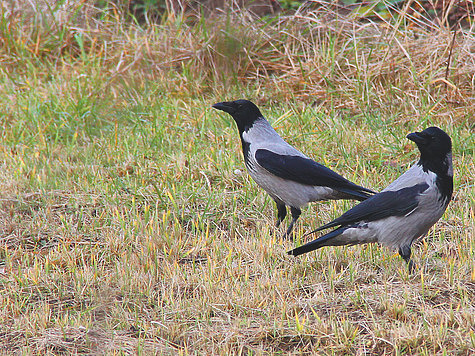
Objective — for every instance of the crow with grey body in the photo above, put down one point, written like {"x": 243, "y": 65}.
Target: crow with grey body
{"x": 287, "y": 175}
{"x": 405, "y": 210}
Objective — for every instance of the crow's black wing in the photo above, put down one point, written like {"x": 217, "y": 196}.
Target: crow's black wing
{"x": 306, "y": 171}
{"x": 379, "y": 206}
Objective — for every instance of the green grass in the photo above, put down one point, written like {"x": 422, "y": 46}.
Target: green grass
{"x": 128, "y": 224}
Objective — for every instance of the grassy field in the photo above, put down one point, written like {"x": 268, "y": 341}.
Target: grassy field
{"x": 128, "y": 224}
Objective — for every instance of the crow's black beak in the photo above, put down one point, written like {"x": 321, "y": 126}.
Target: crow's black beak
{"x": 226, "y": 106}
{"x": 417, "y": 138}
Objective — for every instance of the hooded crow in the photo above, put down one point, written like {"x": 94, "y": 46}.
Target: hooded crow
{"x": 403, "y": 211}
{"x": 287, "y": 175}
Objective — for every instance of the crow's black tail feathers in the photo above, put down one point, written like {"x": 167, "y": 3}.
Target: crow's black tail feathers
{"x": 316, "y": 244}
{"x": 358, "y": 193}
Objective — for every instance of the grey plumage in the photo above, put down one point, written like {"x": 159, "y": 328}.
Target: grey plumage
{"x": 403, "y": 211}
{"x": 293, "y": 193}
{"x": 287, "y": 175}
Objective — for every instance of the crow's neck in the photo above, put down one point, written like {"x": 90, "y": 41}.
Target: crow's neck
{"x": 443, "y": 169}
{"x": 245, "y": 149}
{"x": 245, "y": 145}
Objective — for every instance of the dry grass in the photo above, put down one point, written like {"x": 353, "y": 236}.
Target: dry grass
{"x": 128, "y": 224}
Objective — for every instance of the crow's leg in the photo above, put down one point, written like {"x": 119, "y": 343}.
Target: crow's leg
{"x": 295, "y": 215}
{"x": 281, "y": 212}
{"x": 405, "y": 253}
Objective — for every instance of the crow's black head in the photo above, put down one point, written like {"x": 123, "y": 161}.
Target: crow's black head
{"x": 244, "y": 112}
{"x": 432, "y": 142}
{"x": 436, "y": 150}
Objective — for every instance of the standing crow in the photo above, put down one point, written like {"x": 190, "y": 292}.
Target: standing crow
{"x": 287, "y": 175}
{"x": 403, "y": 211}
